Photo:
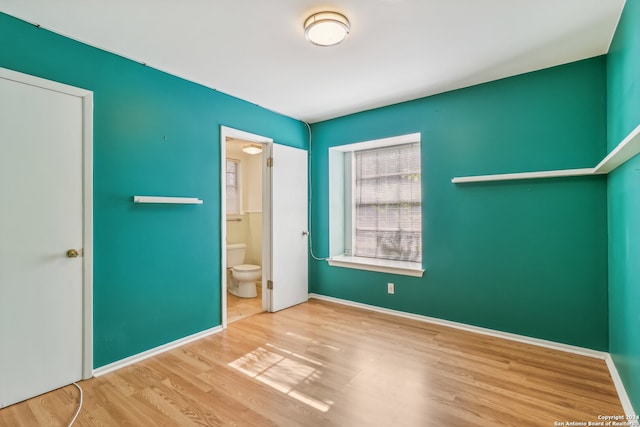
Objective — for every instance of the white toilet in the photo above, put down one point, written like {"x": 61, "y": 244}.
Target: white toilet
{"x": 241, "y": 278}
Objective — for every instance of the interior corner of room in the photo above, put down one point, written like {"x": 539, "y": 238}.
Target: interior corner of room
{"x": 187, "y": 209}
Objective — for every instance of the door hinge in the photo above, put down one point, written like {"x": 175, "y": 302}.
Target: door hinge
{"x": 269, "y": 162}
{"x": 269, "y": 284}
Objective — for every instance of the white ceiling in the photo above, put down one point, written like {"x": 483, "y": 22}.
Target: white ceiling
{"x": 398, "y": 49}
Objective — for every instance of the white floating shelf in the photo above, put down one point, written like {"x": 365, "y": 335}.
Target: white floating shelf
{"x": 523, "y": 175}
{"x": 627, "y": 149}
{"x": 161, "y": 199}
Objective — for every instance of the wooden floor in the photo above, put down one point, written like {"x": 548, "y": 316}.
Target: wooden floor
{"x": 323, "y": 364}
{"x": 239, "y": 308}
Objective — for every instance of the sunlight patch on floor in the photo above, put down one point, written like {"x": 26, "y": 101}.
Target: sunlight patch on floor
{"x": 282, "y": 372}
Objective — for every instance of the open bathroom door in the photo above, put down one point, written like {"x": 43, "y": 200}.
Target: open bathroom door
{"x": 289, "y": 204}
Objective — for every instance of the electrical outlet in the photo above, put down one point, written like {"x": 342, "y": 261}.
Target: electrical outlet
{"x": 390, "y": 288}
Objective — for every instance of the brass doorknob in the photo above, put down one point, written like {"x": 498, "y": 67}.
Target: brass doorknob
{"x": 72, "y": 253}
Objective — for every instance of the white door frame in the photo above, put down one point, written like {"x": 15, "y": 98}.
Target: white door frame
{"x": 227, "y": 132}
{"x": 86, "y": 97}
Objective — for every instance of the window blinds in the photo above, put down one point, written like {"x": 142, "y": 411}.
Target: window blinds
{"x": 388, "y": 203}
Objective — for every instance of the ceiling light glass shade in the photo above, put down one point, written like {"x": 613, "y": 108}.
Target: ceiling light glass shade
{"x": 252, "y": 148}
{"x": 326, "y": 28}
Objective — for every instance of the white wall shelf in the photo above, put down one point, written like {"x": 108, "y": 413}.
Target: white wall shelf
{"x": 523, "y": 175}
{"x": 162, "y": 199}
{"x": 627, "y": 149}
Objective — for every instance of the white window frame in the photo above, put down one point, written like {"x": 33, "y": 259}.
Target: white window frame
{"x": 341, "y": 206}
{"x": 238, "y": 162}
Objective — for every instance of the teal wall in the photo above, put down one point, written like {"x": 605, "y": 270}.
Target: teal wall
{"x": 156, "y": 267}
{"x": 528, "y": 257}
{"x": 623, "y": 84}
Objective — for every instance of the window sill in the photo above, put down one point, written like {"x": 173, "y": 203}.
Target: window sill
{"x": 403, "y": 268}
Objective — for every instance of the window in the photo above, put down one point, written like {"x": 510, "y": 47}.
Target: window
{"x": 388, "y": 203}
{"x": 234, "y": 189}
{"x": 375, "y": 205}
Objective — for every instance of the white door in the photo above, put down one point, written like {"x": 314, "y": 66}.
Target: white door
{"x": 41, "y": 218}
{"x": 289, "y": 204}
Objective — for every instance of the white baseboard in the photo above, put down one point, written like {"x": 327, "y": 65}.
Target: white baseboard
{"x": 470, "y": 328}
{"x": 154, "y": 351}
{"x": 622, "y": 393}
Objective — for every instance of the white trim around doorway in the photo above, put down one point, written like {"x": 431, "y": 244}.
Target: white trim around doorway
{"x": 227, "y": 132}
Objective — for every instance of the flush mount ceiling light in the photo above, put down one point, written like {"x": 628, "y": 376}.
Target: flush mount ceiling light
{"x": 326, "y": 28}
{"x": 252, "y": 148}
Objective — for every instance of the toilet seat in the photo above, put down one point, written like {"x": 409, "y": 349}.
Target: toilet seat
{"x": 245, "y": 268}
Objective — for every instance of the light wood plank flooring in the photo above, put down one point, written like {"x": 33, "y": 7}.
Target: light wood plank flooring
{"x": 324, "y": 364}
{"x": 239, "y": 308}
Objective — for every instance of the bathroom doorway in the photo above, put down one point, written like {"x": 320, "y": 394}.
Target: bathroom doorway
{"x": 283, "y": 263}
{"x": 244, "y": 182}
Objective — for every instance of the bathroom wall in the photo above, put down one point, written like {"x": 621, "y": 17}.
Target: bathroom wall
{"x": 252, "y": 175}
{"x": 249, "y": 229}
